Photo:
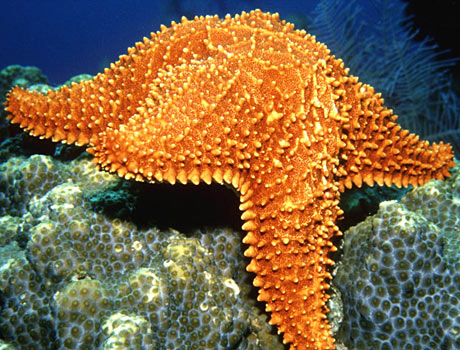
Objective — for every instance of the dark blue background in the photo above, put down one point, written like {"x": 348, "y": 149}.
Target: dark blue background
{"x": 66, "y": 38}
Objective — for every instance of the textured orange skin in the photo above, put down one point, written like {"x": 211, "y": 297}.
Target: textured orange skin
{"x": 251, "y": 102}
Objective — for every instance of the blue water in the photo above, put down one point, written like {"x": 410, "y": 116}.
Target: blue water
{"x": 66, "y": 38}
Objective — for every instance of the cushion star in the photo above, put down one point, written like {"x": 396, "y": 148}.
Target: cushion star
{"x": 251, "y": 102}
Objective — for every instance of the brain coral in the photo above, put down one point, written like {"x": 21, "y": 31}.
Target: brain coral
{"x": 400, "y": 273}
{"x": 24, "y": 180}
{"x": 439, "y": 203}
{"x": 89, "y": 281}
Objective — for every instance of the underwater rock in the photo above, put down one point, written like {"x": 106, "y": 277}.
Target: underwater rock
{"x": 90, "y": 281}
{"x": 400, "y": 273}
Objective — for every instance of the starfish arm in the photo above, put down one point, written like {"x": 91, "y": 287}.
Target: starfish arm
{"x": 80, "y": 113}
{"x": 53, "y": 115}
{"x": 289, "y": 236}
{"x": 377, "y": 150}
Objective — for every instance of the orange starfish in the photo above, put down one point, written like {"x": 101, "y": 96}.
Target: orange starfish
{"x": 251, "y": 102}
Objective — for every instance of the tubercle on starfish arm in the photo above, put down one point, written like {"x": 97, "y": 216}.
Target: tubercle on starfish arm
{"x": 247, "y": 101}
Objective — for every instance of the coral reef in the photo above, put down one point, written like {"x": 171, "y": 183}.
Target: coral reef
{"x": 438, "y": 202}
{"x": 88, "y": 281}
{"x": 400, "y": 273}
{"x": 24, "y": 180}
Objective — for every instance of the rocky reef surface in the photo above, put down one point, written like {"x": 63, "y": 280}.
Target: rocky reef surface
{"x": 74, "y": 278}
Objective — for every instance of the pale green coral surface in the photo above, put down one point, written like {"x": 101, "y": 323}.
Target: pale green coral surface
{"x": 82, "y": 280}
{"x": 399, "y": 277}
